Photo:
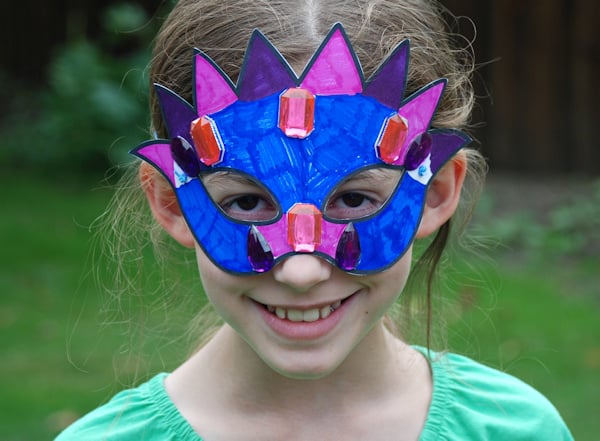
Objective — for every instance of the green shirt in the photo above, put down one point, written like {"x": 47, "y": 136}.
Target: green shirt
{"x": 470, "y": 402}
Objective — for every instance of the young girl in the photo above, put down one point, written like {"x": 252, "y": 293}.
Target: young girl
{"x": 302, "y": 188}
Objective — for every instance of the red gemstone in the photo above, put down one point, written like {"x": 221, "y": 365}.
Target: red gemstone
{"x": 304, "y": 227}
{"x": 296, "y": 112}
{"x": 391, "y": 140}
{"x": 207, "y": 141}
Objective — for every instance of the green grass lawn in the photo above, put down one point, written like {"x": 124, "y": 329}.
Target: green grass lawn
{"x": 537, "y": 320}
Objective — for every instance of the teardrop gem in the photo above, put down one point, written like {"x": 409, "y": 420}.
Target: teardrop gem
{"x": 259, "y": 252}
{"x": 418, "y": 151}
{"x": 185, "y": 156}
{"x": 347, "y": 254}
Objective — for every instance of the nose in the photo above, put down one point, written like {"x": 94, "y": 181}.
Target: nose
{"x": 302, "y": 271}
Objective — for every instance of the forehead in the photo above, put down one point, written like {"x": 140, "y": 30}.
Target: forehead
{"x": 346, "y": 129}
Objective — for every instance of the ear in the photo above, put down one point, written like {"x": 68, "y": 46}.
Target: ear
{"x": 164, "y": 205}
{"x": 443, "y": 195}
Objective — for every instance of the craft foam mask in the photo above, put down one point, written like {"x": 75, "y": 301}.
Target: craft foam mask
{"x": 299, "y": 138}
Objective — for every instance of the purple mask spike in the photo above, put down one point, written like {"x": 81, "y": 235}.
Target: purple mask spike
{"x": 185, "y": 156}
{"x": 347, "y": 254}
{"x": 214, "y": 90}
{"x": 264, "y": 71}
{"x": 334, "y": 70}
{"x": 444, "y": 145}
{"x": 259, "y": 252}
{"x": 176, "y": 112}
{"x": 386, "y": 85}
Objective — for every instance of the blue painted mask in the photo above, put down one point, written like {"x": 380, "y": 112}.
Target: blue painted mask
{"x": 299, "y": 141}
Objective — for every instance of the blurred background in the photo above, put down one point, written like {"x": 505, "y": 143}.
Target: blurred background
{"x": 73, "y": 101}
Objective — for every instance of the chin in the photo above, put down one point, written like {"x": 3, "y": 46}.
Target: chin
{"x": 303, "y": 366}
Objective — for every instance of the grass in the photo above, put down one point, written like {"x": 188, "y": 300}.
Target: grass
{"x": 535, "y": 319}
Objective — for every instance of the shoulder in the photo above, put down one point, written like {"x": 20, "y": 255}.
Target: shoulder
{"x": 145, "y": 412}
{"x": 473, "y": 401}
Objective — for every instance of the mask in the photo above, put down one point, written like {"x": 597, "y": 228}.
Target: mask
{"x": 301, "y": 141}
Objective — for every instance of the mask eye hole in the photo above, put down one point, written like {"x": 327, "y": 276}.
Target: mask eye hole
{"x": 240, "y": 196}
{"x": 362, "y": 194}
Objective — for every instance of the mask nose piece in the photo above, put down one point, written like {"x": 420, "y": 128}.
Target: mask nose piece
{"x": 304, "y": 226}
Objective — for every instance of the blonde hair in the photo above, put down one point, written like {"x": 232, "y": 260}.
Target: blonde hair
{"x": 221, "y": 28}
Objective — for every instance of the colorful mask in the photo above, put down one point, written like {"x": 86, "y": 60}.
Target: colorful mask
{"x": 299, "y": 139}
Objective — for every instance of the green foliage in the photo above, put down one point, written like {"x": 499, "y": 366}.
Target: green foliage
{"x": 570, "y": 229}
{"x": 94, "y": 108}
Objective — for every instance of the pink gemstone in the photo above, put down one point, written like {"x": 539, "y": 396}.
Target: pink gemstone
{"x": 296, "y": 112}
{"x": 304, "y": 227}
{"x": 207, "y": 141}
{"x": 391, "y": 141}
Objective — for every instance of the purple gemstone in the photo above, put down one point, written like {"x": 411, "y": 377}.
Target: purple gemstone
{"x": 185, "y": 156}
{"x": 419, "y": 149}
{"x": 347, "y": 254}
{"x": 259, "y": 252}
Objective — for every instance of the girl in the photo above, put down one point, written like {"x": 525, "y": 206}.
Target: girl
{"x": 302, "y": 188}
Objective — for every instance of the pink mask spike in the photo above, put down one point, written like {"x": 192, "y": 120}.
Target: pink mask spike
{"x": 334, "y": 70}
{"x": 419, "y": 110}
{"x": 213, "y": 91}
{"x": 159, "y": 154}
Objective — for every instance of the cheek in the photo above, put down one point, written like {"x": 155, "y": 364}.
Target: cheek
{"x": 393, "y": 280}
{"x": 214, "y": 280}
{"x": 219, "y": 286}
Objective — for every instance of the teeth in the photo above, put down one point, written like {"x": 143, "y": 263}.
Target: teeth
{"x": 308, "y": 315}
{"x": 295, "y": 315}
{"x": 311, "y": 315}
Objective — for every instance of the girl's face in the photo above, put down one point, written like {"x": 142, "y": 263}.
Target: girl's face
{"x": 305, "y": 316}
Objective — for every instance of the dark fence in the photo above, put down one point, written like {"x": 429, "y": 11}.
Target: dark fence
{"x": 542, "y": 114}
{"x": 538, "y": 80}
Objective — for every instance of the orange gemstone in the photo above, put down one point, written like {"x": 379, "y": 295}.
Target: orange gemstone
{"x": 391, "y": 141}
{"x": 304, "y": 227}
{"x": 207, "y": 140}
{"x": 296, "y": 112}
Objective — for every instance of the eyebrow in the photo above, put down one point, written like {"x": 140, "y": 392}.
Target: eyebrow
{"x": 374, "y": 175}
{"x": 370, "y": 176}
{"x": 224, "y": 178}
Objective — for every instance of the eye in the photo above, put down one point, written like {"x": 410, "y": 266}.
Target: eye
{"x": 247, "y": 202}
{"x": 352, "y": 205}
{"x": 353, "y": 200}
{"x": 362, "y": 194}
{"x": 249, "y": 207}
{"x": 240, "y": 196}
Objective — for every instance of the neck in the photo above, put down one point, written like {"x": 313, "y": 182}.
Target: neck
{"x": 379, "y": 366}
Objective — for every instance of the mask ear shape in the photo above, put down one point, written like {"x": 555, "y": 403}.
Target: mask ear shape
{"x": 443, "y": 195}
{"x": 164, "y": 205}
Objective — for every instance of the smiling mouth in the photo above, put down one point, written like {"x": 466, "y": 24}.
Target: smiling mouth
{"x": 304, "y": 315}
